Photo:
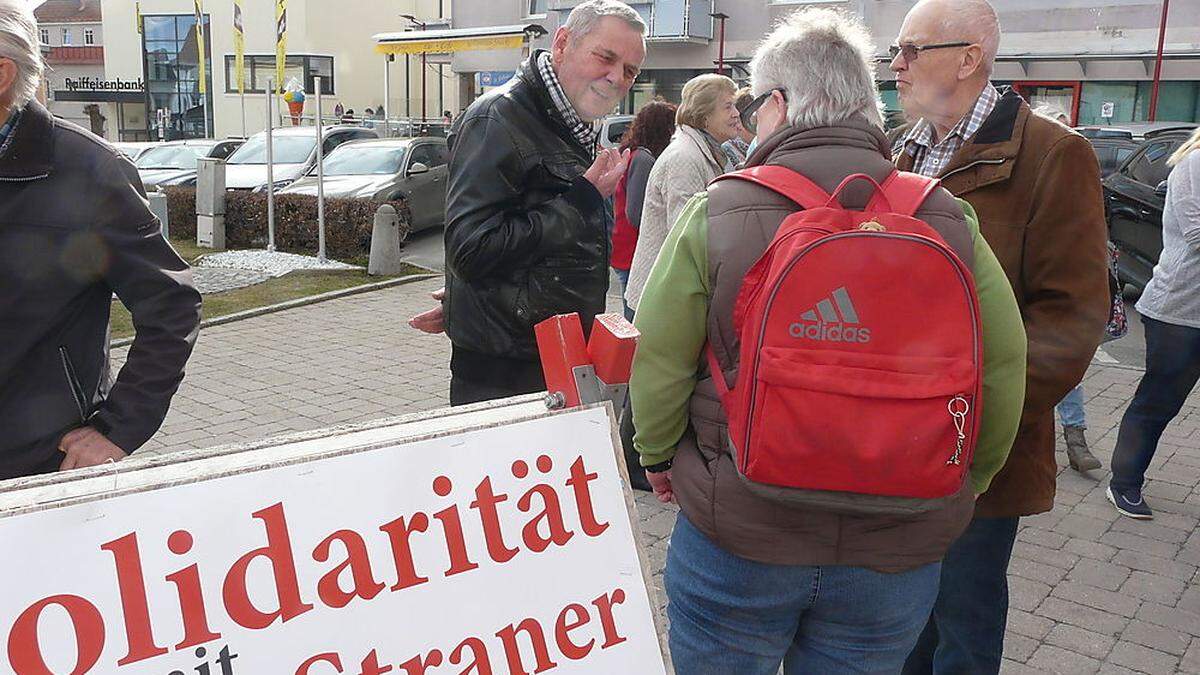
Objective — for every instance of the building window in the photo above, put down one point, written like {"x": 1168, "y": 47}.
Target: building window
{"x": 261, "y": 67}
{"x": 89, "y": 36}
{"x": 44, "y": 36}
{"x": 172, "y": 75}
{"x": 66, "y": 36}
{"x": 537, "y": 7}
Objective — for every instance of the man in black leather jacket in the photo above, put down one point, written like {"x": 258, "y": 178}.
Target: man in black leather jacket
{"x": 75, "y": 228}
{"x": 526, "y": 220}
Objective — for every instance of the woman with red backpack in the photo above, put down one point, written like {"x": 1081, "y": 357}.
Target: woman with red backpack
{"x": 646, "y": 138}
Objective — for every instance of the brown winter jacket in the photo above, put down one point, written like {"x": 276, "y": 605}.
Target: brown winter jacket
{"x": 1035, "y": 185}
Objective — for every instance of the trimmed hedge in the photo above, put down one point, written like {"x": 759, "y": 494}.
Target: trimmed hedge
{"x": 348, "y": 222}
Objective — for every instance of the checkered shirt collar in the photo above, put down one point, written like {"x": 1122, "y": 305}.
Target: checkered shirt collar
{"x": 7, "y": 129}
{"x": 919, "y": 140}
{"x": 582, "y": 131}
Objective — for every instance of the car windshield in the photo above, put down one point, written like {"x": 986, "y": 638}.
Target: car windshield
{"x": 172, "y": 157}
{"x": 284, "y": 150}
{"x": 350, "y": 160}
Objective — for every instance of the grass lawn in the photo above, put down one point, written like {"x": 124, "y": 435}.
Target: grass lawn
{"x": 290, "y": 286}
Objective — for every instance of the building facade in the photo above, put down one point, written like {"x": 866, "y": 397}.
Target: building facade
{"x": 1094, "y": 59}
{"x": 330, "y": 40}
{"x": 72, "y": 37}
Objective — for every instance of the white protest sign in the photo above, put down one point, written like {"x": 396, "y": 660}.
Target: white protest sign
{"x": 501, "y": 549}
{"x": 1108, "y": 109}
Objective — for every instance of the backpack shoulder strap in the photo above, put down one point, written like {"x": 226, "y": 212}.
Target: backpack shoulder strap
{"x": 905, "y": 192}
{"x": 784, "y": 181}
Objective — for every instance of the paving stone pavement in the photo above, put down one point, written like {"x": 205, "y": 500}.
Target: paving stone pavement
{"x": 1090, "y": 592}
{"x": 217, "y": 279}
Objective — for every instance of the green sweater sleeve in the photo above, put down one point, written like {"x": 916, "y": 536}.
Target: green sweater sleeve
{"x": 671, "y": 317}
{"x": 1004, "y": 348}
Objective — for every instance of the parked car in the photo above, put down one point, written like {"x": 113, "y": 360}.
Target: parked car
{"x": 1112, "y": 152}
{"x": 174, "y": 159}
{"x": 134, "y": 149}
{"x": 613, "y": 128}
{"x": 1134, "y": 197}
{"x": 1091, "y": 133}
{"x": 412, "y": 169}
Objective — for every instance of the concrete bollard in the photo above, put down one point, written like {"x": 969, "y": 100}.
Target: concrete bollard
{"x": 158, "y": 206}
{"x": 385, "y": 242}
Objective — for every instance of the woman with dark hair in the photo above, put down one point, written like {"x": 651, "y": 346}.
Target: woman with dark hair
{"x": 646, "y": 138}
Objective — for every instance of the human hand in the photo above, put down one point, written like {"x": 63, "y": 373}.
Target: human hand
{"x": 606, "y": 171}
{"x": 433, "y": 321}
{"x": 87, "y": 447}
{"x": 661, "y": 483}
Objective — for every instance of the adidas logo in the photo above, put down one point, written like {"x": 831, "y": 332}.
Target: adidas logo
{"x": 833, "y": 320}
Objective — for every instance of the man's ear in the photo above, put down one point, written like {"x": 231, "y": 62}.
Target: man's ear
{"x": 559, "y": 45}
{"x": 971, "y": 62}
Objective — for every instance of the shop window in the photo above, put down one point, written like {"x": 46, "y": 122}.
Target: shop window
{"x": 537, "y": 7}
{"x": 260, "y": 69}
{"x": 172, "y": 70}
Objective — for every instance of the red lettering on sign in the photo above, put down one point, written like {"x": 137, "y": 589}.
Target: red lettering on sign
{"x": 605, "y": 604}
{"x": 562, "y": 632}
{"x": 370, "y": 665}
{"x": 25, "y": 652}
{"x": 398, "y": 534}
{"x": 485, "y": 502}
{"x": 359, "y": 563}
{"x": 551, "y": 514}
{"x": 278, "y": 552}
{"x": 456, "y": 546}
{"x": 132, "y": 585}
{"x": 191, "y": 600}
{"x": 583, "y": 499}
{"x": 512, "y": 650}
{"x": 417, "y": 665}
{"x": 328, "y": 657}
{"x": 480, "y": 662}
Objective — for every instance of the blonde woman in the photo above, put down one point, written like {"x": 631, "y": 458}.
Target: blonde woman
{"x": 706, "y": 118}
{"x": 1170, "y": 309}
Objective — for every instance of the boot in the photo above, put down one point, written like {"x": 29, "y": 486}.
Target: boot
{"x": 1078, "y": 456}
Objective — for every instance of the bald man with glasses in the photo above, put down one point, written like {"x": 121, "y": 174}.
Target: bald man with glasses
{"x": 1035, "y": 186}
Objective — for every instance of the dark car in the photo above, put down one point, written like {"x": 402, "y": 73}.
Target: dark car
{"x": 1134, "y": 197}
{"x": 1112, "y": 153}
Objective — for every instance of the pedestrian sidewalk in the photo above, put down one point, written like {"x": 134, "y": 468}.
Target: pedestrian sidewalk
{"x": 1091, "y": 592}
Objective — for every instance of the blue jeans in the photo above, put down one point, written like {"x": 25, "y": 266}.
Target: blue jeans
{"x": 623, "y": 275}
{"x": 1070, "y": 409}
{"x": 731, "y": 615}
{"x": 965, "y": 633}
{"x": 1172, "y": 370}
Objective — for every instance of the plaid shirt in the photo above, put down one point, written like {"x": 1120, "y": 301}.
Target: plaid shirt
{"x": 6, "y": 130}
{"x": 930, "y": 158}
{"x": 582, "y": 131}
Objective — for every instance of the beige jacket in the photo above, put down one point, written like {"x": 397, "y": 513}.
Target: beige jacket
{"x": 686, "y": 167}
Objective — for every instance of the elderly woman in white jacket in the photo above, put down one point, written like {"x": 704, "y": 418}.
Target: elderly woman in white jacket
{"x": 706, "y": 118}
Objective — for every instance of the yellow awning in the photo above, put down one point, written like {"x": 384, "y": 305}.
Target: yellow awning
{"x": 444, "y": 46}
{"x": 457, "y": 39}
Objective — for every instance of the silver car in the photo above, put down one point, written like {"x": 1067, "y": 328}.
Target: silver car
{"x": 412, "y": 169}
{"x": 170, "y": 161}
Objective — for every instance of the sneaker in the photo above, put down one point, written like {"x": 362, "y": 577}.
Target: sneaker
{"x": 1130, "y": 503}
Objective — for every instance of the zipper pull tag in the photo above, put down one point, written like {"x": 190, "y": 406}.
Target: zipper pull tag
{"x": 958, "y": 409}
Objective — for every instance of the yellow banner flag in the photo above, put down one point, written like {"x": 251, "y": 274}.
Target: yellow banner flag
{"x": 239, "y": 47}
{"x": 201, "y": 52}
{"x": 137, "y": 17}
{"x": 280, "y": 42}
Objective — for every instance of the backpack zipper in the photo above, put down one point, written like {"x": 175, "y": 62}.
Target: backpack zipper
{"x": 954, "y": 263}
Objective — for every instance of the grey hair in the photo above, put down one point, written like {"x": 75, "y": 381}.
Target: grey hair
{"x": 823, "y": 59}
{"x": 586, "y": 15}
{"x": 19, "y": 42}
{"x": 973, "y": 20}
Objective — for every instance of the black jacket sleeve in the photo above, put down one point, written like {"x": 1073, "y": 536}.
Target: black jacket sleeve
{"x": 490, "y": 223}
{"x": 156, "y": 286}
{"x": 635, "y": 186}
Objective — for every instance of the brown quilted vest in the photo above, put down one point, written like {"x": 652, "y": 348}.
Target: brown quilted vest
{"x": 742, "y": 220}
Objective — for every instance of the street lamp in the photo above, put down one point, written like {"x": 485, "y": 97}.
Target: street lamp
{"x": 419, "y": 24}
{"x": 720, "y": 16}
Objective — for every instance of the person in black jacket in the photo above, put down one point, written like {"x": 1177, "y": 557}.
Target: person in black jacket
{"x": 75, "y": 228}
{"x": 526, "y": 216}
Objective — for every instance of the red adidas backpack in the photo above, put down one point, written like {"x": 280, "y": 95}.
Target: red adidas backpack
{"x": 858, "y": 386}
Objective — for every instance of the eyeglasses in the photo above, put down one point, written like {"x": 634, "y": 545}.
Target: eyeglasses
{"x": 748, "y": 114}
{"x": 911, "y": 51}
